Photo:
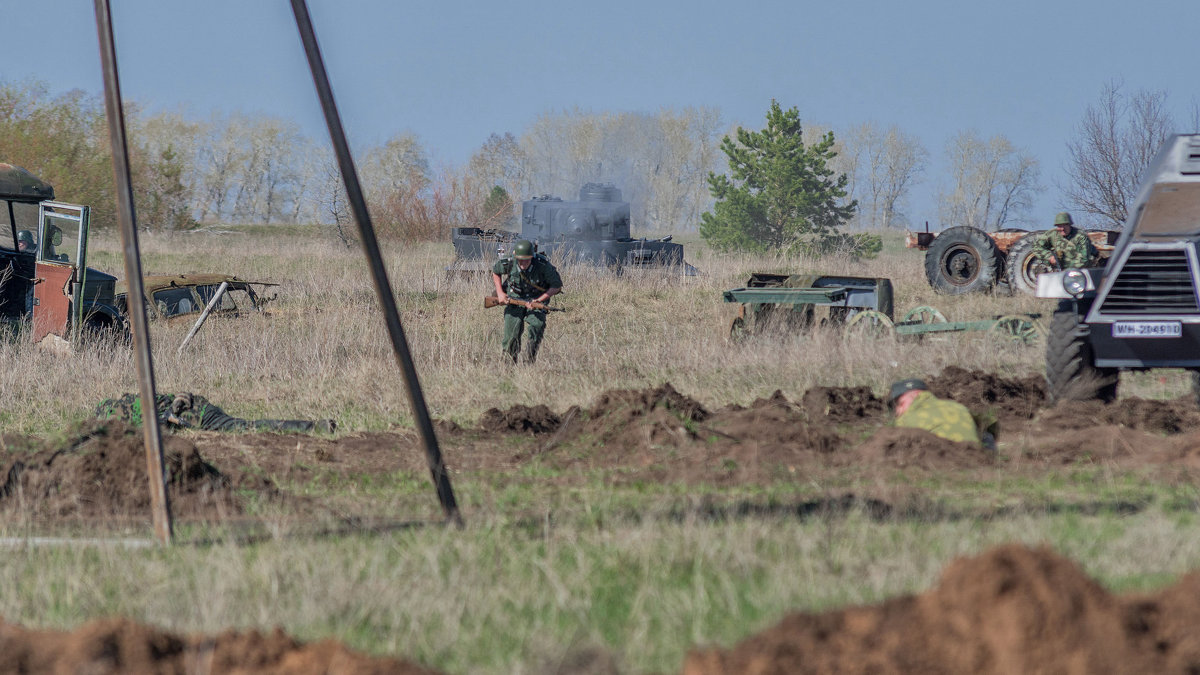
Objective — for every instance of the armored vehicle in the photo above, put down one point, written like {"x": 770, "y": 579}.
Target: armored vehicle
{"x": 1141, "y": 310}
{"x": 594, "y": 230}
{"x": 44, "y": 279}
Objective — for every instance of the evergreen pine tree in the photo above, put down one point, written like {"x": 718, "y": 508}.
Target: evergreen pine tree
{"x": 779, "y": 194}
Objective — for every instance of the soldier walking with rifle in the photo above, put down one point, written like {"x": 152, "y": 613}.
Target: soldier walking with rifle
{"x": 524, "y": 284}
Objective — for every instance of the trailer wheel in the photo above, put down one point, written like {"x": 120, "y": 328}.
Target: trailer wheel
{"x": 1016, "y": 328}
{"x": 1071, "y": 374}
{"x": 962, "y": 260}
{"x": 869, "y": 323}
{"x": 1022, "y": 266}
{"x": 924, "y": 315}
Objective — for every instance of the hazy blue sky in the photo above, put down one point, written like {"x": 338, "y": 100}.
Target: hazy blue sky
{"x": 453, "y": 72}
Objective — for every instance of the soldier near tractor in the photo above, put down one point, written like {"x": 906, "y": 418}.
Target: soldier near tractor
{"x": 1065, "y": 246}
{"x": 524, "y": 283}
{"x": 916, "y": 408}
{"x": 192, "y": 411}
{"x": 966, "y": 259}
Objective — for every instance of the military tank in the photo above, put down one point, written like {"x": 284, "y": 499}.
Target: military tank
{"x": 594, "y": 230}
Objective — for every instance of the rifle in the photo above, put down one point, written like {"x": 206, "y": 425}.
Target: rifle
{"x": 490, "y": 301}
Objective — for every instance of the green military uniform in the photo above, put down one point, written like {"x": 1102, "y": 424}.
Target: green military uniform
{"x": 527, "y": 284}
{"x": 947, "y": 419}
{"x": 1073, "y": 250}
{"x": 190, "y": 411}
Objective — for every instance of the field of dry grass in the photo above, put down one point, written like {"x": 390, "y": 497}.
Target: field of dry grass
{"x": 544, "y": 578}
{"x": 324, "y": 351}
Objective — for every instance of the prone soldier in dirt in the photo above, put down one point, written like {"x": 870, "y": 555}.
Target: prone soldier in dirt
{"x": 192, "y": 411}
{"x": 916, "y": 407}
{"x": 1066, "y": 246}
{"x": 524, "y": 283}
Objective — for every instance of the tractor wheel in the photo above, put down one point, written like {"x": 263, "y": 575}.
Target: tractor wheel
{"x": 962, "y": 260}
{"x": 1071, "y": 374}
{"x": 1022, "y": 266}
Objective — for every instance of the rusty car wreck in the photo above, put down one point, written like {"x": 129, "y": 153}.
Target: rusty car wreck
{"x": 181, "y": 297}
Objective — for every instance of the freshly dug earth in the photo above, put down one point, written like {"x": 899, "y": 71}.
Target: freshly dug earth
{"x": 100, "y": 471}
{"x": 656, "y": 434}
{"x": 122, "y": 646}
{"x": 1009, "y": 610}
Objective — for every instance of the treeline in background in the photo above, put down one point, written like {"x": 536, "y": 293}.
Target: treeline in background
{"x": 233, "y": 168}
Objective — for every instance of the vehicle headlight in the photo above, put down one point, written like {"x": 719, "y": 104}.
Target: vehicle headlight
{"x": 1074, "y": 282}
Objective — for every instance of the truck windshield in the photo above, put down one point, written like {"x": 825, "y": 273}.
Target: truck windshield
{"x": 1172, "y": 209}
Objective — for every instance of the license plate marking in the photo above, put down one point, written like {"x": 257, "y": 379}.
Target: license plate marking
{"x": 1147, "y": 329}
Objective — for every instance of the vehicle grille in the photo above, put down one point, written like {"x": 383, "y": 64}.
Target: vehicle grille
{"x": 1153, "y": 282}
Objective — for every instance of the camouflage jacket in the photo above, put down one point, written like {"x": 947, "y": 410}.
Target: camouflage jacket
{"x": 947, "y": 419}
{"x": 1073, "y": 250}
{"x": 527, "y": 284}
{"x": 191, "y": 412}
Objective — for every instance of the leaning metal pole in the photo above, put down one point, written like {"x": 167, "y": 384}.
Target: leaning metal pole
{"x": 383, "y": 287}
{"x": 133, "y": 273}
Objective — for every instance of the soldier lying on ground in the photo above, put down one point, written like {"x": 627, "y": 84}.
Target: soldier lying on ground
{"x": 191, "y": 411}
{"x": 916, "y": 407}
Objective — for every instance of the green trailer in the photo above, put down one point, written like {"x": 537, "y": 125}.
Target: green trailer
{"x": 857, "y": 305}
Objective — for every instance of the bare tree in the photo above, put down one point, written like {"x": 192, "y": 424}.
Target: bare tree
{"x": 1112, "y": 149}
{"x": 994, "y": 182}
{"x": 223, "y": 150}
{"x": 398, "y": 167}
{"x": 886, "y": 164}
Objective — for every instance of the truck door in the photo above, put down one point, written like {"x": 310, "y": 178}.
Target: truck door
{"x": 61, "y": 262}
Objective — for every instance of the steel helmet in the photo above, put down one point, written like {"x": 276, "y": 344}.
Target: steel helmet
{"x": 904, "y": 386}
{"x": 25, "y": 237}
{"x": 523, "y": 249}
{"x": 1063, "y": 218}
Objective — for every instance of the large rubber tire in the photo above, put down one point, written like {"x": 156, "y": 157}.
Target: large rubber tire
{"x": 1022, "y": 267}
{"x": 963, "y": 260}
{"x": 1071, "y": 373}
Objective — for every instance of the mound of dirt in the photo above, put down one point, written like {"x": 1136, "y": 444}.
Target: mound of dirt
{"x": 776, "y": 421}
{"x": 905, "y": 447}
{"x": 633, "y": 403}
{"x": 1011, "y": 400}
{"x": 122, "y": 646}
{"x": 520, "y": 419}
{"x": 843, "y": 405}
{"x": 1010, "y": 610}
{"x": 1157, "y": 417}
{"x": 101, "y": 471}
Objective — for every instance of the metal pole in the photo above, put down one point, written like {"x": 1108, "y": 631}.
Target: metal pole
{"x": 133, "y": 274}
{"x": 383, "y": 287}
{"x": 203, "y": 315}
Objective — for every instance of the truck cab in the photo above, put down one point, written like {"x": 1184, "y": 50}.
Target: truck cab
{"x": 44, "y": 279}
{"x": 1142, "y": 310}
